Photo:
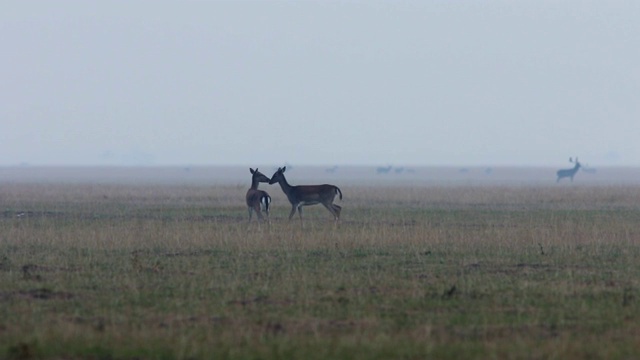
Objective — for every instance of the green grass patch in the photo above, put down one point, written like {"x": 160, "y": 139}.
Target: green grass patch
{"x": 458, "y": 273}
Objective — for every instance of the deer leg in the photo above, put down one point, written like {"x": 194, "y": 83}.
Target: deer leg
{"x": 293, "y": 211}
{"x": 258, "y": 211}
{"x": 338, "y": 209}
{"x": 332, "y": 210}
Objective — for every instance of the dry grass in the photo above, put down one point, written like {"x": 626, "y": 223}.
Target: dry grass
{"x": 164, "y": 271}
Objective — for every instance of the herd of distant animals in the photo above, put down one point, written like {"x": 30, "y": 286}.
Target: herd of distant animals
{"x": 304, "y": 195}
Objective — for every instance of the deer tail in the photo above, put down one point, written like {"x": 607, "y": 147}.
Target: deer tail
{"x": 339, "y": 192}
{"x": 266, "y": 200}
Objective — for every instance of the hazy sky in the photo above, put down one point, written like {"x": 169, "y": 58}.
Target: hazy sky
{"x": 320, "y": 82}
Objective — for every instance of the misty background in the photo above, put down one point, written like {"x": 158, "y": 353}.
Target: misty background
{"x": 417, "y": 83}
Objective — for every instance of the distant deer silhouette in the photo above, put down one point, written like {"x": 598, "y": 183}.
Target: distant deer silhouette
{"x": 383, "y": 170}
{"x": 570, "y": 173}
{"x": 258, "y": 199}
{"x": 331, "y": 169}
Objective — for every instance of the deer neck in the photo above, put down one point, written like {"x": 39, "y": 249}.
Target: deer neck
{"x": 254, "y": 183}
{"x": 284, "y": 185}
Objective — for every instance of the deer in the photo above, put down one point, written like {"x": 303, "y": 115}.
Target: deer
{"x": 563, "y": 173}
{"x": 258, "y": 199}
{"x": 304, "y": 195}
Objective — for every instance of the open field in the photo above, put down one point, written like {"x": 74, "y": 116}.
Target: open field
{"x": 351, "y": 175}
{"x": 137, "y": 270}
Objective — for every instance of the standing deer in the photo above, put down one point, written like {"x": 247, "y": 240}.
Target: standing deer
{"x": 303, "y": 195}
{"x": 256, "y": 199}
{"x": 569, "y": 172}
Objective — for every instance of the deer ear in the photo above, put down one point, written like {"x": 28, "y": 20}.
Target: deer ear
{"x": 251, "y": 170}
{"x": 284, "y": 168}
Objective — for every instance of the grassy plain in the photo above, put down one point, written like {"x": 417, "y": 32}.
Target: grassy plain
{"x": 175, "y": 272}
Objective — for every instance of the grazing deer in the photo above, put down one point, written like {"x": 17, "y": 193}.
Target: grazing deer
{"x": 304, "y": 195}
{"x": 256, "y": 199}
{"x": 569, "y": 172}
{"x": 383, "y": 170}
